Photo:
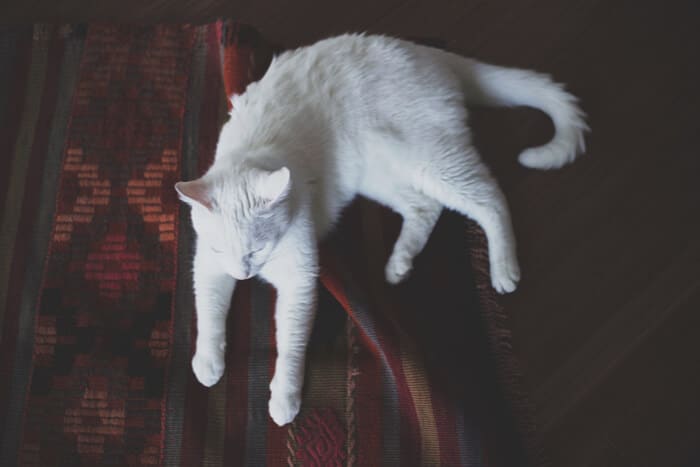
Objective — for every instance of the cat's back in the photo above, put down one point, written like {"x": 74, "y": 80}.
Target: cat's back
{"x": 340, "y": 58}
{"x": 349, "y": 69}
{"x": 338, "y": 92}
{"x": 303, "y": 87}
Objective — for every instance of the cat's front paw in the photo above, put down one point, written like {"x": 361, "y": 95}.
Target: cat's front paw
{"x": 397, "y": 269}
{"x": 505, "y": 275}
{"x": 284, "y": 406}
{"x": 208, "y": 367}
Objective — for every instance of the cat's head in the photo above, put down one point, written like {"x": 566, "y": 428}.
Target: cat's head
{"x": 240, "y": 216}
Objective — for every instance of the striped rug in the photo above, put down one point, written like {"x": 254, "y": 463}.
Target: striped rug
{"x": 96, "y": 318}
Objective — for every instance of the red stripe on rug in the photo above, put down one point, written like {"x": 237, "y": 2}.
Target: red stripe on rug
{"x": 245, "y": 57}
{"x": 15, "y": 104}
{"x": 235, "y": 80}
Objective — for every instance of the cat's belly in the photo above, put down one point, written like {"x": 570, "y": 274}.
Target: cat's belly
{"x": 328, "y": 204}
{"x": 372, "y": 170}
{"x": 384, "y": 182}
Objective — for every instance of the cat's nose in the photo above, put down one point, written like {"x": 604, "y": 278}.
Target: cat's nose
{"x": 241, "y": 274}
{"x": 241, "y": 277}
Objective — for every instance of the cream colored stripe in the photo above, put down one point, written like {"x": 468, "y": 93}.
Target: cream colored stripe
{"x": 420, "y": 393}
{"x": 216, "y": 426}
{"x": 20, "y": 159}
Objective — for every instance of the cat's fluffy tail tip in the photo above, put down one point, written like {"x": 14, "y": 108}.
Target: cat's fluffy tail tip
{"x": 545, "y": 158}
{"x": 556, "y": 154}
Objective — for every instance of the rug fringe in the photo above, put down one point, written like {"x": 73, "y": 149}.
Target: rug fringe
{"x": 501, "y": 343}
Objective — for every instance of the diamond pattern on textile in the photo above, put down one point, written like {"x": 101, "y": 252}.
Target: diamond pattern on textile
{"x": 103, "y": 327}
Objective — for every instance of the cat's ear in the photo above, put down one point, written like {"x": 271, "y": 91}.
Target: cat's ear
{"x": 195, "y": 192}
{"x": 274, "y": 186}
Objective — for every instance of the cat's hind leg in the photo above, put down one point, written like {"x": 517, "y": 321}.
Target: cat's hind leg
{"x": 420, "y": 213}
{"x": 461, "y": 182}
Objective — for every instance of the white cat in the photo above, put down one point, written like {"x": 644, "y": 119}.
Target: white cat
{"x": 350, "y": 115}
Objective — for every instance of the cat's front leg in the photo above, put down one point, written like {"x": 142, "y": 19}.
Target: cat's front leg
{"x": 213, "y": 289}
{"x": 294, "y": 317}
{"x": 295, "y": 281}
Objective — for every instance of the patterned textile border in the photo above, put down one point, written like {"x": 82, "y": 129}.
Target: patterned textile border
{"x": 91, "y": 385}
{"x": 95, "y": 280}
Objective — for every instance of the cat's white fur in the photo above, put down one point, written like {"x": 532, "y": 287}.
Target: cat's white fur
{"x": 350, "y": 115}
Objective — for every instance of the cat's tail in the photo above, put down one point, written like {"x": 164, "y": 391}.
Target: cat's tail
{"x": 499, "y": 86}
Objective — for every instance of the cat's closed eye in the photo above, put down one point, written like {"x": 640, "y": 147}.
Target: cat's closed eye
{"x": 255, "y": 251}
{"x": 215, "y": 250}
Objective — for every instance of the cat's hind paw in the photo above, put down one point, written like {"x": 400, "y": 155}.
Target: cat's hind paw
{"x": 397, "y": 269}
{"x": 208, "y": 368}
{"x": 505, "y": 276}
{"x": 284, "y": 407}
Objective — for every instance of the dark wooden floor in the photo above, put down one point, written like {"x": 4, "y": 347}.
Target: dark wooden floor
{"x": 607, "y": 319}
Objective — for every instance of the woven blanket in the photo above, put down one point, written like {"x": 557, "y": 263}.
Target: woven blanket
{"x": 97, "y": 123}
